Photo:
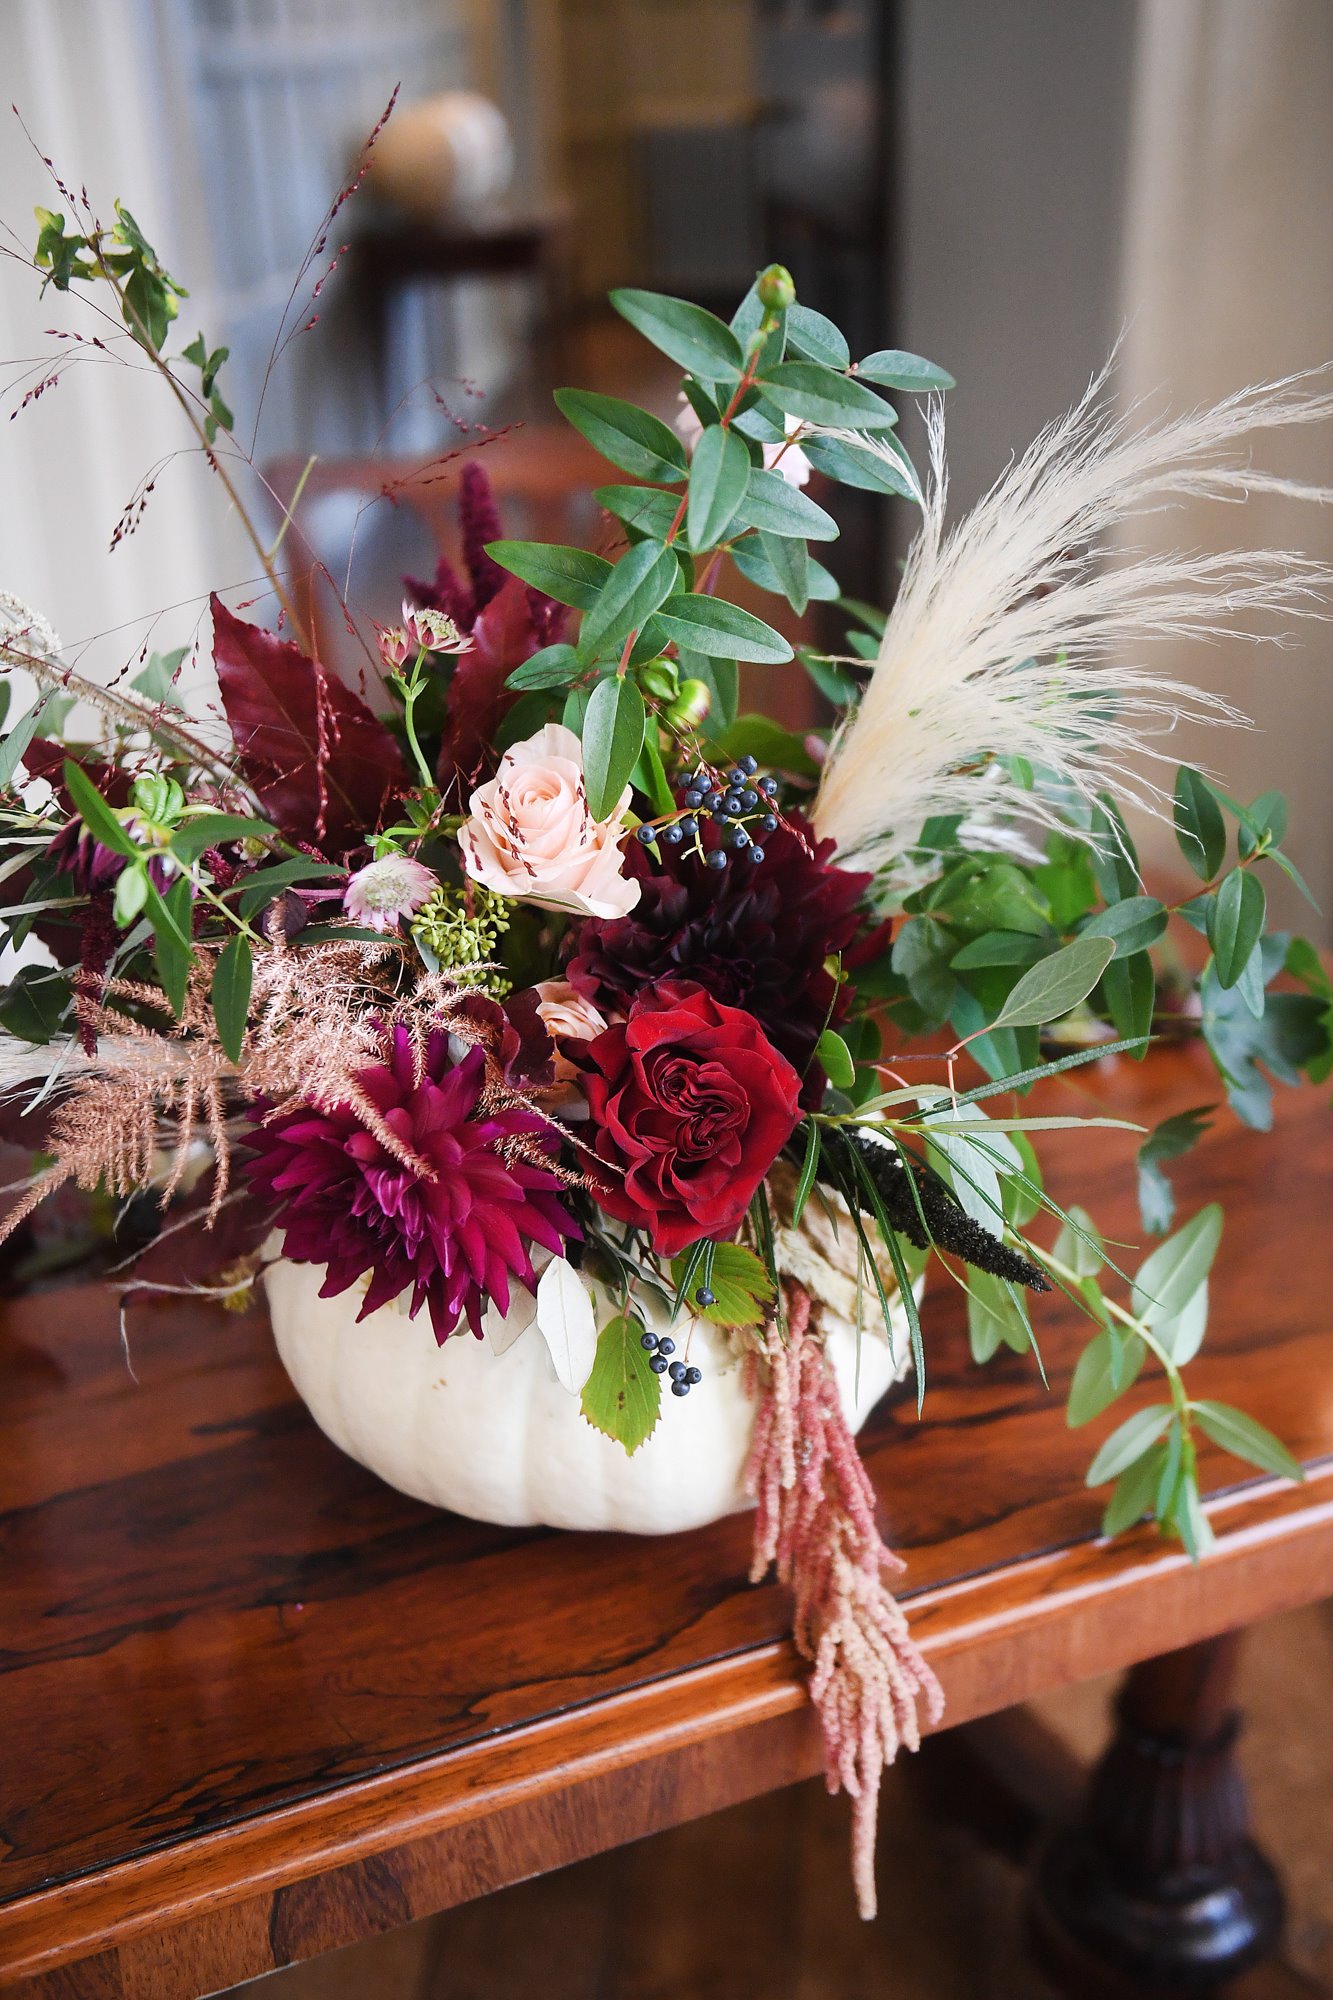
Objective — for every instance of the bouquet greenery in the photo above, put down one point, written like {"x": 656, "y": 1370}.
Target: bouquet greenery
{"x": 535, "y": 953}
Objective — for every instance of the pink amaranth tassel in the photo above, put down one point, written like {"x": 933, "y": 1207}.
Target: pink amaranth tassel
{"x": 816, "y": 1521}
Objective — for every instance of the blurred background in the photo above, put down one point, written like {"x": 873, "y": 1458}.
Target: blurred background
{"x": 1006, "y": 186}
{"x": 1009, "y": 187}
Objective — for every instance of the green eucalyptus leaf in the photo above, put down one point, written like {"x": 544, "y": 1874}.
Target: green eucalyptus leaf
{"x": 1129, "y": 1442}
{"x": 1079, "y": 1244}
{"x": 694, "y": 339}
{"x": 1134, "y": 1492}
{"x": 1244, "y": 1438}
{"x": 994, "y": 1319}
{"x": 1056, "y": 984}
{"x": 1182, "y": 1334}
{"x": 1106, "y": 1368}
{"x": 631, "y": 438}
{"x": 719, "y": 475}
{"x": 1167, "y": 1280}
{"x": 613, "y": 730}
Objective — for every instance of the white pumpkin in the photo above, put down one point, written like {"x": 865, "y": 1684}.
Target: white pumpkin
{"x": 485, "y": 1428}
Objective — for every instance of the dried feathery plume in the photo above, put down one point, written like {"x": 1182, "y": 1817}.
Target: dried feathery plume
{"x": 1011, "y": 631}
{"x": 816, "y": 1522}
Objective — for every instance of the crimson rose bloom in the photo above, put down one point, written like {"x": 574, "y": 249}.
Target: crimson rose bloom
{"x": 692, "y": 1104}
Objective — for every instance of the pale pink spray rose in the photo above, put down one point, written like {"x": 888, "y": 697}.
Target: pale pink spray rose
{"x": 565, "y": 1011}
{"x": 530, "y": 835}
{"x": 382, "y": 893}
{"x": 787, "y": 459}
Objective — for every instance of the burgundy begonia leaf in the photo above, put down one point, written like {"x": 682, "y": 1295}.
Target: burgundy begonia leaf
{"x": 322, "y": 764}
{"x": 44, "y": 759}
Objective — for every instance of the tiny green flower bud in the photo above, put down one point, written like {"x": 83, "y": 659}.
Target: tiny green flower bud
{"x": 691, "y": 705}
{"x": 660, "y": 679}
{"x": 776, "y": 290}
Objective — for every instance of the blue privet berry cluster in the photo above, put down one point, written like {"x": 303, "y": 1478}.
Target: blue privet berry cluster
{"x": 740, "y": 804}
{"x": 662, "y": 1349}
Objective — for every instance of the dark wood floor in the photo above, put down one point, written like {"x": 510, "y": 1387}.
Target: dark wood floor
{"x": 754, "y": 1904}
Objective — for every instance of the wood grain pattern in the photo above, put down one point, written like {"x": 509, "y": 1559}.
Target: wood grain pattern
{"x": 255, "y": 1705}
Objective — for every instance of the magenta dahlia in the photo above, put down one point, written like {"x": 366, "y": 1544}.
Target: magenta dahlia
{"x": 458, "y": 1238}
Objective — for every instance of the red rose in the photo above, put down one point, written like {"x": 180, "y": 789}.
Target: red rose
{"x": 691, "y": 1104}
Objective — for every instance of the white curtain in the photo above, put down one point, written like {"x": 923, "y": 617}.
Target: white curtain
{"x": 97, "y": 86}
{"x": 1228, "y": 279}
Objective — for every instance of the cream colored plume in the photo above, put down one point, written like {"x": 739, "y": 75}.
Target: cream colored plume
{"x": 1014, "y": 635}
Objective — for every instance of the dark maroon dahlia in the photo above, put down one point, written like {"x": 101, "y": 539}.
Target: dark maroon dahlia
{"x": 754, "y": 937}
{"x": 459, "y": 1238}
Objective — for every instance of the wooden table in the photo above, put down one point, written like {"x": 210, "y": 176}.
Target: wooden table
{"x": 254, "y": 1705}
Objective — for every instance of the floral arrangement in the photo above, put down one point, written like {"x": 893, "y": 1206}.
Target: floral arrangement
{"x": 535, "y": 972}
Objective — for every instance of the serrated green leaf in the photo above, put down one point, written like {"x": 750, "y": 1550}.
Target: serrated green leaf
{"x": 741, "y": 1287}
{"x": 1246, "y": 1438}
{"x": 694, "y": 339}
{"x": 628, "y": 598}
{"x": 570, "y": 576}
{"x": 631, "y": 438}
{"x": 613, "y": 730}
{"x": 723, "y": 631}
{"x": 1129, "y": 1442}
{"x": 719, "y": 475}
{"x": 778, "y": 508}
{"x": 1200, "y": 828}
{"x": 1236, "y": 922}
{"x": 1167, "y": 1280}
{"x": 33, "y": 1004}
{"x": 893, "y": 369}
{"x": 233, "y": 978}
{"x": 622, "y": 1397}
{"x": 1056, "y": 984}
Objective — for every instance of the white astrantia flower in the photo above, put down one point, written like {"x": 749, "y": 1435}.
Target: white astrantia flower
{"x": 382, "y": 893}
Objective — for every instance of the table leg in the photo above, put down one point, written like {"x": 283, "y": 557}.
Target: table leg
{"x": 1155, "y": 1887}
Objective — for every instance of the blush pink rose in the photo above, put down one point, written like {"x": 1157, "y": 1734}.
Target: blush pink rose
{"x": 530, "y": 835}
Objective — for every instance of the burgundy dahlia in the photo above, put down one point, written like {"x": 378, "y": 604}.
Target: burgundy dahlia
{"x": 755, "y": 937}
{"x": 457, "y": 1239}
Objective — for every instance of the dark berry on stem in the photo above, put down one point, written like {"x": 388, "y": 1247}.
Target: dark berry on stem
{"x": 677, "y": 1371}
{"x": 646, "y": 834}
{"x": 658, "y": 1365}
{"x": 666, "y": 1345}
{"x": 693, "y": 1375}
{"x": 672, "y": 835}
{"x": 738, "y": 776}
{"x": 717, "y": 859}
{"x": 680, "y": 1388}
{"x": 713, "y": 801}
{"x": 738, "y": 837}
{"x": 769, "y": 787}
{"x": 648, "y": 1340}
{"x": 749, "y": 765}
{"x": 750, "y": 800}
{"x": 703, "y": 1297}
{"x": 769, "y": 823}
{"x": 756, "y": 854}
{"x": 689, "y": 826}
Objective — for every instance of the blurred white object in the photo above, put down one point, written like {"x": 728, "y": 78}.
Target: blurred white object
{"x": 447, "y": 155}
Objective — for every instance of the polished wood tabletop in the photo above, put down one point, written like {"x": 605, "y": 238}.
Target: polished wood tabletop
{"x": 254, "y": 1705}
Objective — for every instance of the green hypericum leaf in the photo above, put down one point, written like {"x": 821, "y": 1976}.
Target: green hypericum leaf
{"x": 95, "y": 813}
{"x": 1200, "y": 828}
{"x": 622, "y": 1397}
{"x": 858, "y": 466}
{"x": 760, "y": 737}
{"x": 1105, "y": 1369}
{"x": 833, "y": 680}
{"x": 893, "y": 369}
{"x": 1236, "y": 922}
{"x": 817, "y": 338}
{"x": 741, "y": 1287}
{"x": 791, "y": 566}
{"x": 233, "y": 977}
{"x": 820, "y": 395}
{"x": 719, "y": 475}
{"x": 554, "y": 666}
{"x": 809, "y": 1168}
{"x": 821, "y": 584}
{"x": 644, "y": 508}
{"x": 195, "y": 836}
{"x": 1134, "y": 1492}
{"x": 631, "y": 438}
{"x": 612, "y": 739}
{"x": 1129, "y": 988}
{"x": 1056, "y": 984}
{"x": 570, "y": 576}
{"x": 1244, "y": 1438}
{"x": 628, "y": 598}
{"x": 694, "y": 339}
{"x": 649, "y": 775}
{"x": 835, "y": 1059}
{"x": 772, "y": 504}
{"x": 1114, "y": 860}
{"x": 723, "y": 631}
{"x": 1168, "y": 1279}
{"x": 1133, "y": 924}
{"x": 1264, "y": 820}
{"x": 1129, "y": 1442}
{"x": 1167, "y": 1141}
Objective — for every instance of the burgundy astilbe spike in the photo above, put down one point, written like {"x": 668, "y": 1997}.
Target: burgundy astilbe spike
{"x": 479, "y": 520}
{"x": 816, "y": 1522}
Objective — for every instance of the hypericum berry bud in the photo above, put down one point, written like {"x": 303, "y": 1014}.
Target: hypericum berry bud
{"x": 660, "y": 679}
{"x": 775, "y": 288}
{"x": 691, "y": 705}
